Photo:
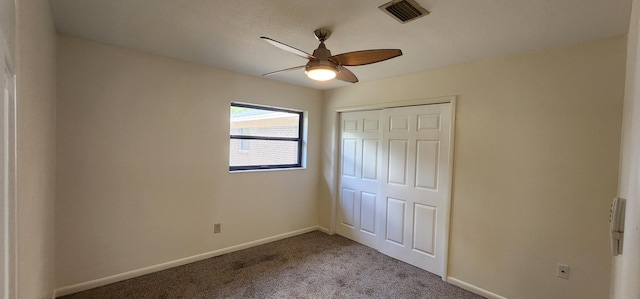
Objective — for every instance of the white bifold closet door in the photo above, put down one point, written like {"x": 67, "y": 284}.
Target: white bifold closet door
{"x": 415, "y": 186}
{"x": 394, "y": 192}
{"x": 357, "y": 217}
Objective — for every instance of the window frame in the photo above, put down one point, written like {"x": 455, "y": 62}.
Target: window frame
{"x": 299, "y": 140}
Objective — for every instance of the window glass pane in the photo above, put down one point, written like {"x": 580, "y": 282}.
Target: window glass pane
{"x": 263, "y": 122}
{"x": 262, "y": 152}
{"x": 244, "y": 144}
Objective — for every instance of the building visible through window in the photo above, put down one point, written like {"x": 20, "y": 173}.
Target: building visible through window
{"x": 264, "y": 137}
{"x": 244, "y": 143}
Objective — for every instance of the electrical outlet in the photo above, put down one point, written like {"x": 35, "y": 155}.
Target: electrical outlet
{"x": 216, "y": 228}
{"x": 563, "y": 271}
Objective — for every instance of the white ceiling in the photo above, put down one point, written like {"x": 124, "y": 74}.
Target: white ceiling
{"x": 226, "y": 34}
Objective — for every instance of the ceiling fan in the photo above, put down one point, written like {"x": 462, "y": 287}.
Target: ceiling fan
{"x": 323, "y": 66}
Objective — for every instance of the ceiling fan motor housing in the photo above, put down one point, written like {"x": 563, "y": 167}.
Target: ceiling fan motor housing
{"x": 314, "y": 64}
{"x": 322, "y": 53}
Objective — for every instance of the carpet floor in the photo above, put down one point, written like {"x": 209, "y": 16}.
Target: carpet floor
{"x": 312, "y": 265}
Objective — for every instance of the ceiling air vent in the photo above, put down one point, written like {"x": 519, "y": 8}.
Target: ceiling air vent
{"x": 404, "y": 10}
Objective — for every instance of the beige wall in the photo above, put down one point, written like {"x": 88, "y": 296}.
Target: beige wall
{"x": 143, "y": 162}
{"x": 36, "y": 125}
{"x": 626, "y": 267}
{"x": 535, "y": 165}
{"x": 143, "y": 175}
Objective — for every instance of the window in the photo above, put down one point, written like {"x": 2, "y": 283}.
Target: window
{"x": 264, "y": 137}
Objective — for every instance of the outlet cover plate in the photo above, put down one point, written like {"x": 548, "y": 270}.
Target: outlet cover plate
{"x": 563, "y": 271}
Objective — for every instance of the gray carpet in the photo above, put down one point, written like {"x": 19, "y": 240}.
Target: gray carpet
{"x": 312, "y": 265}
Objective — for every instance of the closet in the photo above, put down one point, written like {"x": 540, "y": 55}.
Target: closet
{"x": 395, "y": 181}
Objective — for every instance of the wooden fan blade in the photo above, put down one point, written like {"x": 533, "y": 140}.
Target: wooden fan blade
{"x": 285, "y": 70}
{"x": 346, "y": 75}
{"x": 288, "y": 48}
{"x": 365, "y": 56}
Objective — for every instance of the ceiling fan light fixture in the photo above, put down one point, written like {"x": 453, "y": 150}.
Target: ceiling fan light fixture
{"x": 321, "y": 74}
{"x": 321, "y": 70}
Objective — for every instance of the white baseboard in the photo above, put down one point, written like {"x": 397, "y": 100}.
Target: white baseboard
{"x": 473, "y": 289}
{"x": 67, "y": 290}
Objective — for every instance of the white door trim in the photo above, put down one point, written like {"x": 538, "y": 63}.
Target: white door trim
{"x": 9, "y": 203}
{"x": 376, "y": 106}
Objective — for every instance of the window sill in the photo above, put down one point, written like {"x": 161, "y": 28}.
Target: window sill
{"x": 267, "y": 169}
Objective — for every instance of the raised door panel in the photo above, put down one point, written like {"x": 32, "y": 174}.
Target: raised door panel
{"x": 428, "y": 122}
{"x": 427, "y": 164}
{"x": 371, "y": 125}
{"x": 395, "y": 221}
{"x": 347, "y": 206}
{"x": 349, "y": 159}
{"x": 368, "y": 212}
{"x": 370, "y": 159}
{"x": 350, "y": 125}
{"x": 424, "y": 238}
{"x": 399, "y": 123}
{"x": 397, "y": 165}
